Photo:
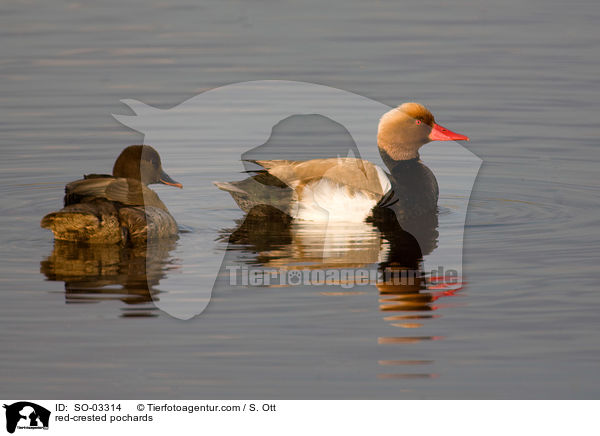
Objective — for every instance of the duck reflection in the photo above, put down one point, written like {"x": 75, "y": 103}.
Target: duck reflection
{"x": 407, "y": 294}
{"x": 288, "y": 244}
{"x": 104, "y": 272}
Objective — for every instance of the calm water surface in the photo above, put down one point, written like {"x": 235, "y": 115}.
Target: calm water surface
{"x": 519, "y": 78}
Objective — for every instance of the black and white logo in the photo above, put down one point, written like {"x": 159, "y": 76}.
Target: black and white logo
{"x": 26, "y": 415}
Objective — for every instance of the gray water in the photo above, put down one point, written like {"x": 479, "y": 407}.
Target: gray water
{"x": 520, "y": 78}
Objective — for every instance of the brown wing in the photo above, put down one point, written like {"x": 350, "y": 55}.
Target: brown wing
{"x": 354, "y": 174}
{"x": 129, "y": 192}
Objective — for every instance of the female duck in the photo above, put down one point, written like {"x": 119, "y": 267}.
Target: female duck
{"x": 116, "y": 209}
{"x": 350, "y": 189}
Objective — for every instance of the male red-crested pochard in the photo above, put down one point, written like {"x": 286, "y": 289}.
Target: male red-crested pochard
{"x": 349, "y": 189}
{"x": 117, "y": 208}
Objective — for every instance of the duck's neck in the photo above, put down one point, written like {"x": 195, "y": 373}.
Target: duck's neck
{"x": 399, "y": 157}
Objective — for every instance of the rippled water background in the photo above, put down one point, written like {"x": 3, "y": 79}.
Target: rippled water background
{"x": 521, "y": 79}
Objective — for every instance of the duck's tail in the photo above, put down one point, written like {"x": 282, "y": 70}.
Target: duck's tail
{"x": 258, "y": 190}
{"x": 229, "y": 187}
{"x": 76, "y": 224}
{"x": 242, "y": 198}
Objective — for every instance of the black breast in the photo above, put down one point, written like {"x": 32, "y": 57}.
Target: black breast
{"x": 412, "y": 205}
{"x": 415, "y": 188}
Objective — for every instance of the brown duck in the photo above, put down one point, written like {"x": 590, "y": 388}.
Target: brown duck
{"x": 117, "y": 208}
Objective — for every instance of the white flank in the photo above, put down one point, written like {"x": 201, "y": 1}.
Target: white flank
{"x": 324, "y": 201}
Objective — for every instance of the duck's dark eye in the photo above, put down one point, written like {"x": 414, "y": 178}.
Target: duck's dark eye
{"x": 418, "y": 122}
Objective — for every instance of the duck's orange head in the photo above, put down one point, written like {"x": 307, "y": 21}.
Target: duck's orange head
{"x": 405, "y": 129}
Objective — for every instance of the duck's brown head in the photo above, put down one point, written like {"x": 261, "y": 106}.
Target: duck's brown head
{"x": 142, "y": 162}
{"x": 405, "y": 129}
